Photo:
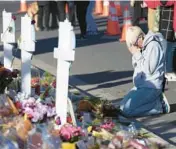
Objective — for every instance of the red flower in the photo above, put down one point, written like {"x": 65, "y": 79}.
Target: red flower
{"x": 58, "y": 121}
{"x": 18, "y": 105}
{"x": 69, "y": 119}
{"x": 54, "y": 84}
{"x": 29, "y": 116}
{"x": 14, "y": 18}
{"x": 33, "y": 22}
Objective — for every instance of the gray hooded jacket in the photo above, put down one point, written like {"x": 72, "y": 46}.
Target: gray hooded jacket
{"x": 149, "y": 65}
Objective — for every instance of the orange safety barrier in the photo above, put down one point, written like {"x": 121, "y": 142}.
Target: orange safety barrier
{"x": 118, "y": 8}
{"x": 126, "y": 23}
{"x": 113, "y": 27}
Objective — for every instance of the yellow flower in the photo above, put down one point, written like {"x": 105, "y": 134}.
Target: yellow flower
{"x": 89, "y": 129}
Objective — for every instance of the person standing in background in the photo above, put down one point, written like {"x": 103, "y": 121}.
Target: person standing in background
{"x": 54, "y": 14}
{"x": 81, "y": 10}
{"x": 91, "y": 24}
{"x": 139, "y": 12}
{"x": 167, "y": 27}
{"x": 43, "y": 15}
{"x": 61, "y": 10}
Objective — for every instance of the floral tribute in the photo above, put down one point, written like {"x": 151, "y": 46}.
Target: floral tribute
{"x": 6, "y": 77}
{"x": 35, "y": 109}
{"x": 70, "y": 133}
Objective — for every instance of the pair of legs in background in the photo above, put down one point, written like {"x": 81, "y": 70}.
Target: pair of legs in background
{"x": 47, "y": 8}
{"x": 62, "y": 13}
{"x": 81, "y": 10}
{"x": 144, "y": 102}
{"x": 171, "y": 49}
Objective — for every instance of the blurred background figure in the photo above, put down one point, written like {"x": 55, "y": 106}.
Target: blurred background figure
{"x": 167, "y": 27}
{"x": 62, "y": 13}
{"x": 32, "y": 12}
{"x": 54, "y": 14}
{"x": 138, "y": 12}
{"x": 91, "y": 25}
{"x": 43, "y": 15}
{"x": 81, "y": 10}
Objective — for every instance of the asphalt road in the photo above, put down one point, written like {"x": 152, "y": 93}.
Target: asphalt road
{"x": 102, "y": 67}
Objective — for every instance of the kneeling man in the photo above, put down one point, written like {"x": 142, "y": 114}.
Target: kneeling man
{"x": 148, "y": 60}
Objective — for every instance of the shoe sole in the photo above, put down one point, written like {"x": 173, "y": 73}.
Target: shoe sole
{"x": 170, "y": 78}
{"x": 166, "y": 102}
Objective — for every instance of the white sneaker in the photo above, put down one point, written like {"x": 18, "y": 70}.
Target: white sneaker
{"x": 165, "y": 104}
{"x": 170, "y": 76}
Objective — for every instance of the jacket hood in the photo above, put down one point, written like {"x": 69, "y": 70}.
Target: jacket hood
{"x": 158, "y": 36}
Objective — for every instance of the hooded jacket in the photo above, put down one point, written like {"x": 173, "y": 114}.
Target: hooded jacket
{"x": 149, "y": 64}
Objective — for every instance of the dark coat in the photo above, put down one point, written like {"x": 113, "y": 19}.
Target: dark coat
{"x": 138, "y": 11}
{"x": 166, "y": 22}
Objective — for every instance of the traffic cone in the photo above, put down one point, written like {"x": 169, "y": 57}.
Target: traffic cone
{"x": 66, "y": 9}
{"x": 113, "y": 27}
{"x": 98, "y": 7}
{"x": 126, "y": 23}
{"x": 118, "y": 8}
{"x": 23, "y": 6}
{"x": 105, "y": 8}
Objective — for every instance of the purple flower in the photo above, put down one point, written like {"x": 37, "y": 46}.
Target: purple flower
{"x": 14, "y": 18}
{"x": 33, "y": 22}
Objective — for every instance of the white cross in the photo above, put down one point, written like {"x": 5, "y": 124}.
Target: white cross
{"x": 64, "y": 54}
{"x": 8, "y": 38}
{"x": 27, "y": 46}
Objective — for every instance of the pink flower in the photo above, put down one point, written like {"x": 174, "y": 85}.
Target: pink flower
{"x": 69, "y": 131}
{"x": 108, "y": 125}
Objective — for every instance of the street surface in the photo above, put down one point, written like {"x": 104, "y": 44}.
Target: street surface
{"x": 102, "y": 67}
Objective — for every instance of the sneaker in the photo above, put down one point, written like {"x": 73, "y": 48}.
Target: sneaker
{"x": 170, "y": 76}
{"x": 165, "y": 104}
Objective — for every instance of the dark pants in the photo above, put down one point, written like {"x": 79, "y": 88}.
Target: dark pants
{"x": 54, "y": 14}
{"x": 61, "y": 9}
{"x": 81, "y": 10}
{"x": 43, "y": 16}
{"x": 138, "y": 13}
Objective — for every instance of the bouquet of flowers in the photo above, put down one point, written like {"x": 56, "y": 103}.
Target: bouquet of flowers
{"x": 48, "y": 83}
{"x": 6, "y": 77}
{"x": 35, "y": 109}
{"x": 47, "y": 79}
{"x": 35, "y": 83}
{"x": 70, "y": 133}
{"x": 35, "y": 80}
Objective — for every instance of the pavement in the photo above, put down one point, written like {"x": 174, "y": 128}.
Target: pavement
{"x": 102, "y": 67}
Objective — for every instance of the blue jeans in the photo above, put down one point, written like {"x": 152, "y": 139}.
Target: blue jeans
{"x": 91, "y": 25}
{"x": 171, "y": 46}
{"x": 142, "y": 102}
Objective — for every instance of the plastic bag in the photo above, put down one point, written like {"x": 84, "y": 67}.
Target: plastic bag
{"x": 5, "y": 108}
{"x": 7, "y": 143}
{"x": 40, "y": 137}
